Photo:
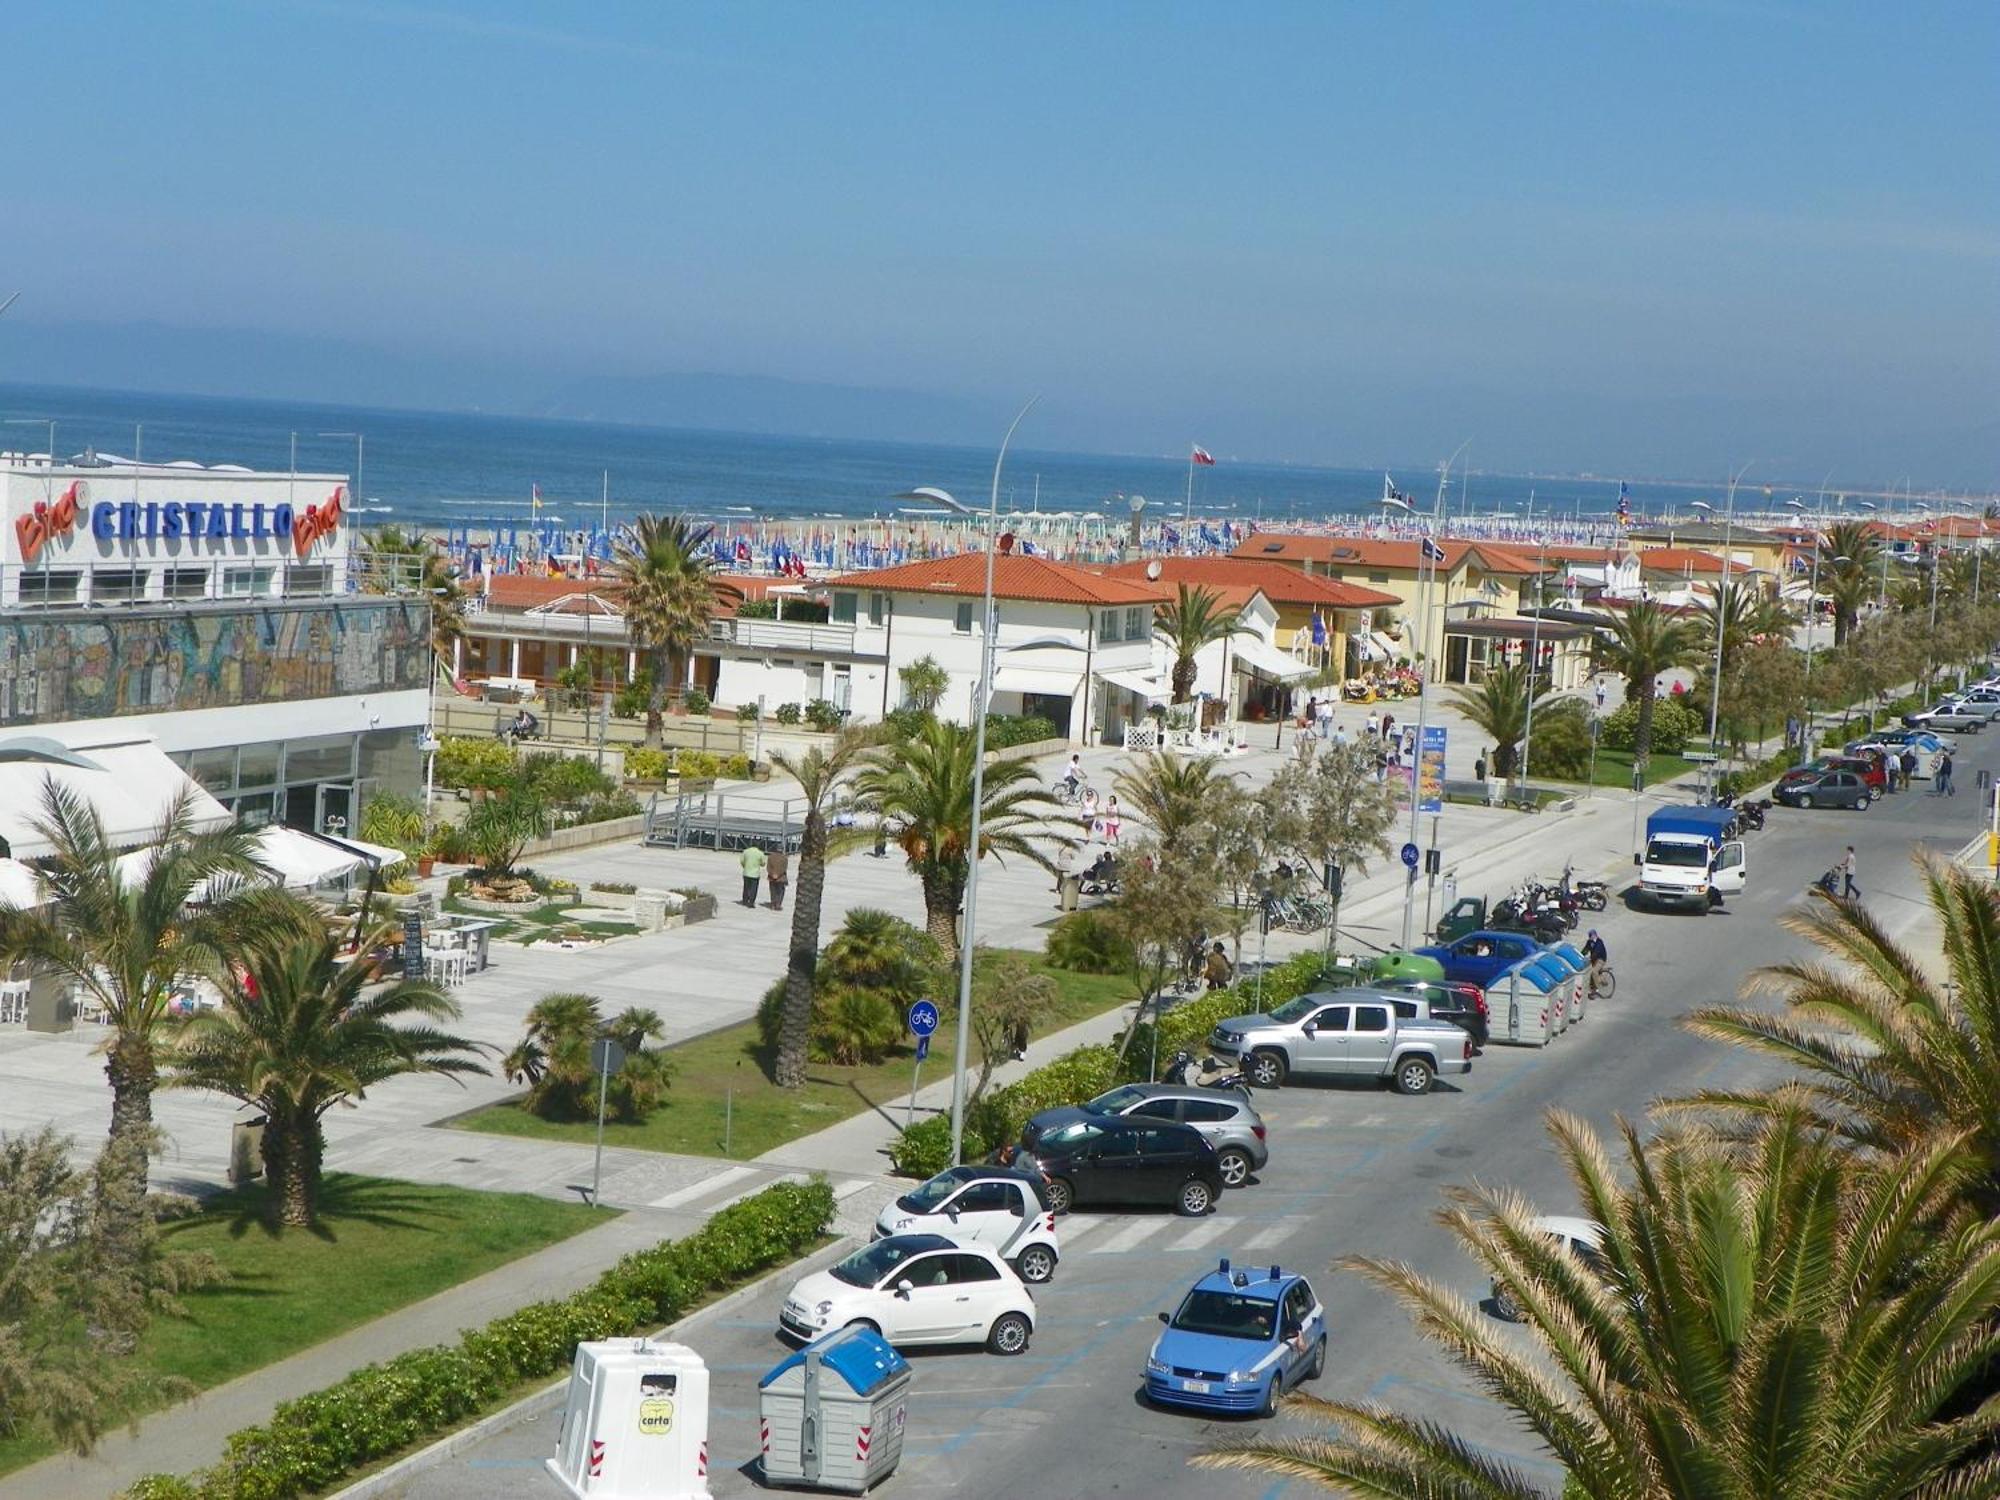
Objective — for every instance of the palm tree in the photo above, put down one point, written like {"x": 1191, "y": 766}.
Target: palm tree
{"x": 127, "y": 940}
{"x": 662, "y": 570}
{"x": 1763, "y": 1321}
{"x": 1499, "y": 706}
{"x": 819, "y": 773}
{"x": 1747, "y": 613}
{"x": 923, "y": 787}
{"x": 400, "y": 562}
{"x": 553, "y": 1058}
{"x": 1848, "y": 557}
{"x": 306, "y": 1032}
{"x": 1196, "y": 617}
{"x": 1893, "y": 1059}
{"x": 1644, "y": 641}
{"x": 1171, "y": 794}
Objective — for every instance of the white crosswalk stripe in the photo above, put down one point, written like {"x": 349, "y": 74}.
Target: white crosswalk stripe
{"x": 1310, "y": 1122}
{"x": 849, "y": 1188}
{"x": 1205, "y": 1233}
{"x": 1279, "y": 1232}
{"x": 704, "y": 1187}
{"x": 1129, "y": 1236}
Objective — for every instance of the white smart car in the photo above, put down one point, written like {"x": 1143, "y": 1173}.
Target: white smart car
{"x": 917, "y": 1289}
{"x": 998, "y": 1207}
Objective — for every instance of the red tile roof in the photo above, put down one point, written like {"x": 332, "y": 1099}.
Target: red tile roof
{"x": 1277, "y": 582}
{"x": 1680, "y": 560}
{"x": 1015, "y": 576}
{"x": 1378, "y": 552}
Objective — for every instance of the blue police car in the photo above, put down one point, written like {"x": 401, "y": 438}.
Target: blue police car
{"x": 1238, "y": 1341}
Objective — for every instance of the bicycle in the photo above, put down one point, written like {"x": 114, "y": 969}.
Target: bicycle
{"x": 1605, "y": 985}
{"x": 1069, "y": 793}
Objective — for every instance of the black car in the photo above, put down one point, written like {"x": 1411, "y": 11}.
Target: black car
{"x": 1119, "y": 1160}
{"x": 1460, "y": 1003}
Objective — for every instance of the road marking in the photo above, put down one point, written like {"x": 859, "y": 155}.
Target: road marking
{"x": 1367, "y": 1121}
{"x": 1202, "y": 1234}
{"x": 1276, "y": 1234}
{"x": 1072, "y": 1228}
{"x": 757, "y": 1187}
{"x": 849, "y": 1188}
{"x": 1310, "y": 1122}
{"x": 703, "y": 1188}
{"x": 1129, "y": 1236}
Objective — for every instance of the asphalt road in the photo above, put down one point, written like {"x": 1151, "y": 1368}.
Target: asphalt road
{"x": 1354, "y": 1169}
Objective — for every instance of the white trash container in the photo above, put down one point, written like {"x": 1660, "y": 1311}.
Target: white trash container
{"x": 1579, "y": 978}
{"x": 831, "y": 1417}
{"x": 635, "y": 1425}
{"x": 1520, "y": 1006}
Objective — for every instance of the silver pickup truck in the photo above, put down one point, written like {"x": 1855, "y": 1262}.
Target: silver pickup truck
{"x": 1352, "y": 1033}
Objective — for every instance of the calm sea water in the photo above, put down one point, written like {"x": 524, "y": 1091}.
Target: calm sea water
{"x": 440, "y": 468}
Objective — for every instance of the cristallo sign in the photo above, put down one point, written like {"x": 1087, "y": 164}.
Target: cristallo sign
{"x": 191, "y": 522}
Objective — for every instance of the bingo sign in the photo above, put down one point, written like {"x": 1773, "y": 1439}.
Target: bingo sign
{"x": 192, "y": 524}
{"x": 1430, "y": 770}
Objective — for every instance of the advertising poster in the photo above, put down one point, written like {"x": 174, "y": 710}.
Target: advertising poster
{"x": 1430, "y": 770}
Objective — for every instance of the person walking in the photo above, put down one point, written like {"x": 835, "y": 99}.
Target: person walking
{"x": 1908, "y": 759}
{"x": 1944, "y": 788}
{"x": 1217, "y": 968}
{"x": 1846, "y": 868}
{"x": 1373, "y": 724}
{"x": 752, "y": 865}
{"x": 1479, "y": 767}
{"x": 1312, "y": 711}
{"x": 1326, "y": 718}
{"x": 1111, "y": 819}
{"x": 1600, "y": 696}
{"x": 1599, "y": 956}
{"x": 778, "y": 871}
{"x": 1388, "y": 724}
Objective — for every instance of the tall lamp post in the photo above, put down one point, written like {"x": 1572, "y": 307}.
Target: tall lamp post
{"x": 1721, "y": 615}
{"x": 960, "y": 1054}
{"x": 1534, "y": 661}
{"x": 359, "y": 443}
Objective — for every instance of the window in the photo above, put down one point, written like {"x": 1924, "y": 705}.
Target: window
{"x": 1158, "y": 1109}
{"x": 1155, "y": 1140}
{"x": 1333, "y": 1018}
{"x": 258, "y": 764}
{"x": 842, "y": 612}
{"x": 966, "y": 1268}
{"x": 962, "y": 620}
{"x": 1107, "y": 627}
{"x": 214, "y": 769}
{"x": 118, "y": 584}
{"x": 187, "y": 583}
{"x": 1371, "y": 1018}
{"x": 58, "y": 587}
{"x": 986, "y": 1197}
{"x": 243, "y": 583}
{"x": 1378, "y": 577}
{"x": 314, "y": 580}
{"x": 327, "y": 758}
{"x": 1407, "y": 1009}
{"x": 1208, "y": 1111}
{"x": 878, "y": 606}
{"x": 1135, "y": 623}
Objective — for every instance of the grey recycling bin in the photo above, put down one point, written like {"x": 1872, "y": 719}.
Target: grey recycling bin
{"x": 832, "y": 1415}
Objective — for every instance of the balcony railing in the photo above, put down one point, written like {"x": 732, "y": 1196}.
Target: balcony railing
{"x": 782, "y": 635}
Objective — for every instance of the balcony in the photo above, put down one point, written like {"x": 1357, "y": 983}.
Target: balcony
{"x": 787, "y": 636}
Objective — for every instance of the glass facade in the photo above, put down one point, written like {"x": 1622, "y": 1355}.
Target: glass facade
{"x": 319, "y": 783}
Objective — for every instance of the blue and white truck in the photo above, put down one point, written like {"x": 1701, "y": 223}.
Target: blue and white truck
{"x": 1690, "y": 861}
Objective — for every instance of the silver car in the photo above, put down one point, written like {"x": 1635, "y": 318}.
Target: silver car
{"x": 1225, "y": 1116}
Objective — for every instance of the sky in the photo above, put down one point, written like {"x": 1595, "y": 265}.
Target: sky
{"x": 1657, "y": 236}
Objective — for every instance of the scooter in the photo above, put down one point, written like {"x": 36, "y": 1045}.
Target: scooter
{"x": 1751, "y": 815}
{"x": 1212, "y": 1076}
{"x": 1591, "y": 895}
{"x": 1829, "y": 882}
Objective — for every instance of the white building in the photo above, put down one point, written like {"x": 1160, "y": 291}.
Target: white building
{"x": 212, "y": 613}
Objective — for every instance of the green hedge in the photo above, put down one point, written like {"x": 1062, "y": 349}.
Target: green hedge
{"x": 925, "y": 1148}
{"x": 318, "y": 1441}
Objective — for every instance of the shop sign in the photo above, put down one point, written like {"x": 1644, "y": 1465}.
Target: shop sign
{"x": 192, "y": 521}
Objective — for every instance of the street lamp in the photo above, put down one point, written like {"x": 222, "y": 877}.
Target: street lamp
{"x": 359, "y": 443}
{"x": 960, "y": 1054}
{"x": 1534, "y": 660}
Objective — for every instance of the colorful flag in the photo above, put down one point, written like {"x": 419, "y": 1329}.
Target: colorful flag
{"x": 1202, "y": 456}
{"x": 1319, "y": 627}
{"x": 1432, "y": 550}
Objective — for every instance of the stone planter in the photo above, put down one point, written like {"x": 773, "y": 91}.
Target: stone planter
{"x": 622, "y": 900}
{"x": 699, "y": 908}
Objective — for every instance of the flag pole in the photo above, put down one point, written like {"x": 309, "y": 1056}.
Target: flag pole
{"x": 1187, "y": 511}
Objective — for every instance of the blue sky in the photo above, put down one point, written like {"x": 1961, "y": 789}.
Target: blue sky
{"x": 1610, "y": 234}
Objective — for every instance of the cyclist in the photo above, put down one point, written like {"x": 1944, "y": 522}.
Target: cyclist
{"x": 1599, "y": 956}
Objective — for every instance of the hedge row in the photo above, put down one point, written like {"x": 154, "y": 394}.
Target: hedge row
{"x": 925, "y": 1148}
{"x": 317, "y": 1441}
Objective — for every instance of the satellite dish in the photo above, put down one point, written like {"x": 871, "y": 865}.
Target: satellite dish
{"x": 1153, "y": 571}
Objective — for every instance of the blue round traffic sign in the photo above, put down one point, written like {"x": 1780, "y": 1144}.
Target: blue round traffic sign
{"x": 923, "y": 1018}
{"x": 1411, "y": 854}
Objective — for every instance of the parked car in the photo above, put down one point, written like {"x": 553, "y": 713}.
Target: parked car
{"x": 998, "y": 1207}
{"x": 1872, "y": 766}
{"x": 1087, "y": 1158}
{"x": 1458, "y": 1001}
{"x": 1580, "y": 1237}
{"x": 1225, "y": 1116}
{"x": 1239, "y": 1340}
{"x": 1812, "y": 788}
{"x": 1947, "y": 715}
{"x": 1982, "y": 697}
{"x": 1893, "y": 742}
{"x": 1480, "y": 957}
{"x": 1344, "y": 1034}
{"x": 916, "y": 1289}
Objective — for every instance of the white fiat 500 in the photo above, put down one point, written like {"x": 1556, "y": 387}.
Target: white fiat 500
{"x": 997, "y": 1207}
{"x": 916, "y": 1289}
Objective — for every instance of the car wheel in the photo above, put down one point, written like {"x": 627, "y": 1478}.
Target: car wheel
{"x": 1195, "y": 1198}
{"x": 1318, "y": 1366}
{"x": 1267, "y": 1069}
{"x": 867, "y": 1325}
{"x": 1036, "y": 1264}
{"x": 1805, "y": 799}
{"x": 1061, "y": 1196}
{"x": 1505, "y": 1308}
{"x": 1009, "y": 1334}
{"x": 1273, "y": 1393}
{"x": 1235, "y": 1168}
{"x": 1413, "y": 1076}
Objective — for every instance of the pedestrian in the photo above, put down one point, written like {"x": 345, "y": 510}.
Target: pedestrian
{"x": 1217, "y": 967}
{"x": 1326, "y": 718}
{"x": 1312, "y": 712}
{"x": 1600, "y": 697}
{"x": 1479, "y": 767}
{"x": 1388, "y": 723}
{"x": 752, "y": 865}
{"x": 1111, "y": 819}
{"x": 1017, "y": 1037}
{"x": 778, "y": 871}
{"x": 1373, "y": 724}
{"x": 1944, "y": 787}
{"x": 1065, "y": 872}
{"x": 1908, "y": 760}
{"x": 1791, "y": 730}
{"x": 1339, "y": 735}
{"x": 1089, "y": 813}
{"x": 1846, "y": 868}
{"x": 1599, "y": 956}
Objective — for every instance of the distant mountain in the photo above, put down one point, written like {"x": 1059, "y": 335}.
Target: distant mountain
{"x": 764, "y": 404}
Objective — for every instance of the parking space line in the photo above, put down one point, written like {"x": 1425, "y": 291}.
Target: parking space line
{"x": 1309, "y": 1122}
{"x": 757, "y": 1187}
{"x": 1129, "y": 1236}
{"x": 703, "y": 1188}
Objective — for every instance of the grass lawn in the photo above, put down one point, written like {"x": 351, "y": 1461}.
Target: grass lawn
{"x": 381, "y": 1246}
{"x": 552, "y": 920}
{"x": 1614, "y": 768}
{"x": 724, "y": 1072}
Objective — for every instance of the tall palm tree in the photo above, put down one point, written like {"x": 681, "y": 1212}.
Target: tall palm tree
{"x": 1644, "y": 641}
{"x": 923, "y": 787}
{"x": 820, "y": 772}
{"x": 1747, "y": 613}
{"x": 1853, "y": 582}
{"x": 1499, "y": 706}
{"x": 407, "y": 562}
{"x": 1196, "y": 617}
{"x": 667, "y": 593}
{"x": 1171, "y": 794}
{"x": 1765, "y": 1322}
{"x": 308, "y": 1031}
{"x": 127, "y": 940}
{"x": 1893, "y": 1059}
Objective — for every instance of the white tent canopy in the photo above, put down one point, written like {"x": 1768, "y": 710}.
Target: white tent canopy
{"x": 18, "y": 886}
{"x": 1147, "y": 686}
{"x": 298, "y": 859}
{"x": 1270, "y": 662}
{"x": 129, "y": 781}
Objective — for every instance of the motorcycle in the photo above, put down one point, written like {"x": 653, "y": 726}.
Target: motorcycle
{"x": 1212, "y": 1075}
{"x": 1751, "y": 815}
{"x": 1511, "y": 915}
{"x": 1590, "y": 895}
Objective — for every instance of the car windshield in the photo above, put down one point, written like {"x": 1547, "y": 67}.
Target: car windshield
{"x": 1229, "y": 1315}
{"x": 1116, "y": 1101}
{"x": 1295, "y": 1010}
{"x": 867, "y": 1266}
{"x": 1692, "y": 856}
{"x": 1066, "y": 1133}
{"x": 924, "y": 1199}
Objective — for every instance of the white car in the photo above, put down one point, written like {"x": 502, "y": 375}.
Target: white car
{"x": 1582, "y": 1238}
{"x": 917, "y": 1289}
{"x": 998, "y": 1207}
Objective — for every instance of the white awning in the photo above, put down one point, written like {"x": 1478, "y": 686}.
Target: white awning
{"x": 301, "y": 860}
{"x": 17, "y": 885}
{"x": 1147, "y": 686}
{"x": 1269, "y": 661}
{"x": 1037, "y": 680}
{"x": 386, "y": 857}
{"x": 131, "y": 783}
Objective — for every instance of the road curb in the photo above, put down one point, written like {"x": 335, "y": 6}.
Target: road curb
{"x": 535, "y": 1403}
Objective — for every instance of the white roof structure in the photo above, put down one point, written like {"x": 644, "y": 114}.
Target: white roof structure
{"x": 18, "y": 885}
{"x": 130, "y": 782}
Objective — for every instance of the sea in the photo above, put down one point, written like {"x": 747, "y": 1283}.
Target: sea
{"x": 445, "y": 470}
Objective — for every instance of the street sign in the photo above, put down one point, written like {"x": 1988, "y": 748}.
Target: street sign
{"x": 923, "y": 1020}
{"x": 1411, "y": 854}
{"x": 923, "y": 1046}
{"x": 606, "y": 1056}
{"x": 1433, "y": 861}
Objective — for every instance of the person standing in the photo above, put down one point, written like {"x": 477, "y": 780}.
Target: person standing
{"x": 1373, "y": 724}
{"x": 1909, "y": 763}
{"x": 1846, "y": 868}
{"x": 1388, "y": 724}
{"x": 1326, "y": 718}
{"x": 1217, "y": 968}
{"x": 1944, "y": 787}
{"x": 752, "y": 865}
{"x": 1479, "y": 767}
{"x": 1599, "y": 957}
{"x": 778, "y": 870}
{"x": 1600, "y": 697}
{"x": 1312, "y": 711}
{"x": 1111, "y": 819}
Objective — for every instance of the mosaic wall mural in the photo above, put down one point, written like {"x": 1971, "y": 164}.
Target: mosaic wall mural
{"x": 57, "y": 668}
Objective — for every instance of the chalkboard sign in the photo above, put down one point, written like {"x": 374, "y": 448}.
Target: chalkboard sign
{"x": 413, "y": 944}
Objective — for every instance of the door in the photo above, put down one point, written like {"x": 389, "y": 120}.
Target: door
{"x": 976, "y": 1288}
{"x": 1322, "y": 1044}
{"x": 1368, "y": 1049}
{"x": 1730, "y": 869}
{"x": 930, "y": 1312}
{"x": 985, "y": 1212}
{"x": 331, "y": 808}
{"x": 1113, "y": 1173}
{"x": 1166, "y": 1157}
{"x": 1294, "y": 1319}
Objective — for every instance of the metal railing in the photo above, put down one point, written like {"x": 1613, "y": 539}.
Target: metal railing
{"x": 583, "y": 729}
{"x": 782, "y": 635}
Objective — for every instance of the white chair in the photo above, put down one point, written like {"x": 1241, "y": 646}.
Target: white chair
{"x": 445, "y": 966}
